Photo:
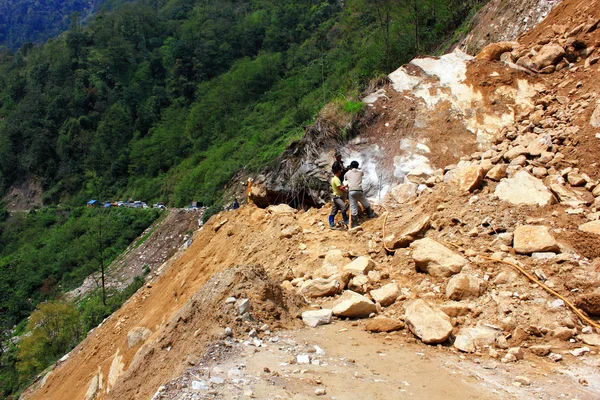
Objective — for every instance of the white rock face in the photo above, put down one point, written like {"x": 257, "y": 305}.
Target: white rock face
{"x": 137, "y": 335}
{"x": 361, "y": 266}
{"x": 524, "y": 189}
{"x": 386, "y": 295}
{"x": 464, "y": 286}
{"x": 353, "y": 305}
{"x": 315, "y": 318}
{"x": 533, "y": 239}
{"x": 436, "y": 259}
{"x": 116, "y": 370}
{"x": 428, "y": 323}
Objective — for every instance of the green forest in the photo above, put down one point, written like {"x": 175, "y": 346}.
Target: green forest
{"x": 43, "y": 254}
{"x": 165, "y": 100}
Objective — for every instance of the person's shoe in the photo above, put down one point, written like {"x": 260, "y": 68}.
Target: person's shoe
{"x": 355, "y": 223}
{"x": 335, "y": 228}
{"x": 370, "y": 213}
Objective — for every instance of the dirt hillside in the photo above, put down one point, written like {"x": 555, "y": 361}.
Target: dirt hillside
{"x": 484, "y": 256}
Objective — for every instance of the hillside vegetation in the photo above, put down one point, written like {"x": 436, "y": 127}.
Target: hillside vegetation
{"x": 168, "y": 99}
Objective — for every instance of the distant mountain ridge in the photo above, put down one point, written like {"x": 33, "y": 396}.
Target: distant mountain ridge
{"x": 24, "y": 21}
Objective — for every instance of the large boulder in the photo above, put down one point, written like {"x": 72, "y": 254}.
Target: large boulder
{"x": 435, "y": 259}
{"x": 550, "y": 54}
{"x": 524, "y": 189}
{"x": 464, "y": 286}
{"x": 428, "y": 323}
{"x": 468, "y": 178}
{"x": 353, "y": 305}
{"x": 360, "y": 266}
{"x": 591, "y": 227}
{"x": 383, "y": 324}
{"x": 386, "y": 295}
{"x": 314, "y": 318}
{"x": 471, "y": 339}
{"x": 534, "y": 239}
{"x": 406, "y": 231}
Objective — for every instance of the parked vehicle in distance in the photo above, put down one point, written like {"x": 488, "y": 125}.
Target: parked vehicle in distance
{"x": 160, "y": 205}
{"x": 107, "y": 205}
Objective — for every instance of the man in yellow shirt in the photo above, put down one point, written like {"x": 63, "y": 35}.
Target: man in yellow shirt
{"x": 338, "y": 191}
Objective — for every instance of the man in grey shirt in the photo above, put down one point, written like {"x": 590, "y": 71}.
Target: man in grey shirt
{"x": 353, "y": 180}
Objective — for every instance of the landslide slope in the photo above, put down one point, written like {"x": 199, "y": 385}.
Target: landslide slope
{"x": 546, "y": 151}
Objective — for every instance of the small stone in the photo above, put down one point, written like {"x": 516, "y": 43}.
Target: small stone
{"x": 303, "y": 359}
{"x": 541, "y": 350}
{"x": 216, "y": 380}
{"x": 386, "y": 295}
{"x": 316, "y": 318}
{"x": 353, "y": 305}
{"x": 563, "y": 333}
{"x": 497, "y": 172}
{"x": 199, "y": 385}
{"x": 320, "y": 391}
{"x": 228, "y": 332}
{"x": 464, "y": 286}
{"x": 534, "y": 238}
{"x": 230, "y": 300}
{"x": 517, "y": 352}
{"x": 580, "y": 351}
{"x": 555, "y": 357}
{"x": 360, "y": 266}
{"x": 242, "y": 305}
{"x": 383, "y": 324}
{"x": 523, "y": 380}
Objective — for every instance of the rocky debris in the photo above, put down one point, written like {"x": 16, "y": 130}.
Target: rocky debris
{"x": 383, "y": 324}
{"x": 563, "y": 333}
{"x": 548, "y": 55}
{"x": 137, "y": 335}
{"x": 493, "y": 51}
{"x": 435, "y": 259}
{"x": 242, "y": 306}
{"x": 455, "y": 309}
{"x": 469, "y": 178}
{"x": 589, "y": 302}
{"x": 361, "y": 266}
{"x": 411, "y": 228}
{"x": 427, "y": 322}
{"x": 580, "y": 351}
{"x": 320, "y": 287}
{"x": 591, "y": 227}
{"x": 541, "y": 350}
{"x": 522, "y": 381}
{"x": 386, "y": 295}
{"x": 464, "y": 286}
{"x": 534, "y": 238}
{"x": 555, "y": 357}
{"x": 332, "y": 264}
{"x": 315, "y": 318}
{"x": 569, "y": 196}
{"x": 359, "y": 284}
{"x": 405, "y": 192}
{"x": 513, "y": 354}
{"x": 470, "y": 340}
{"x": 281, "y": 209}
{"x": 497, "y": 172}
{"x": 353, "y": 305}
{"x": 524, "y": 189}
{"x": 591, "y": 338}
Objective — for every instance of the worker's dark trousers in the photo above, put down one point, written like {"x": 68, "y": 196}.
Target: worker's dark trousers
{"x": 338, "y": 205}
